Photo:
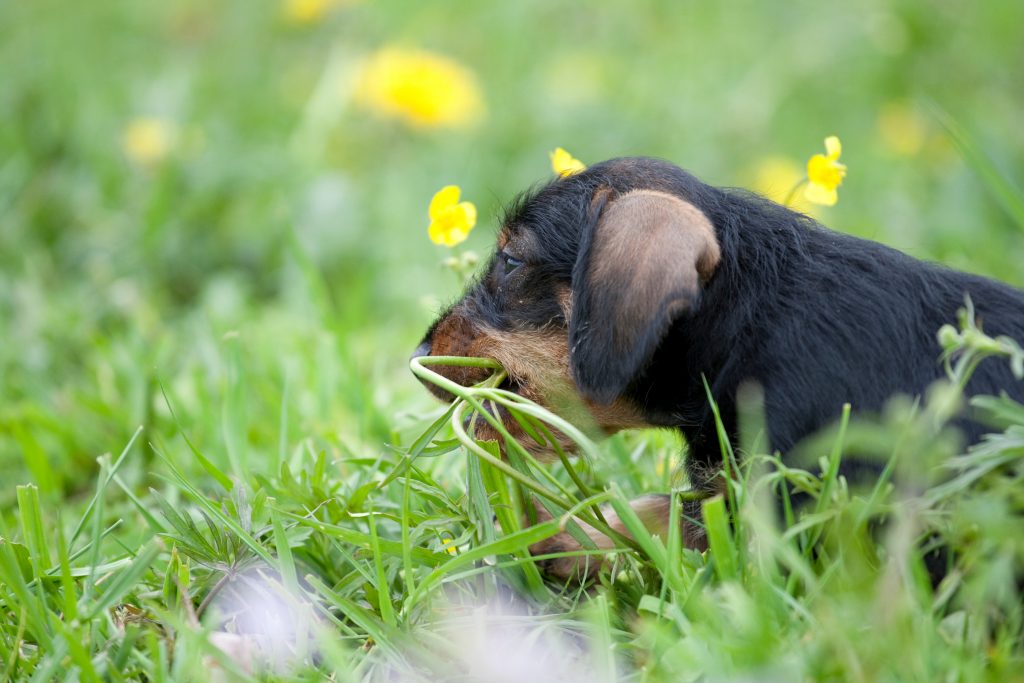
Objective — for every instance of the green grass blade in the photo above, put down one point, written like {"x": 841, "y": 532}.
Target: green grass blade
{"x": 387, "y": 611}
{"x": 102, "y": 487}
{"x": 720, "y": 541}
{"x": 1009, "y": 197}
{"x": 32, "y": 529}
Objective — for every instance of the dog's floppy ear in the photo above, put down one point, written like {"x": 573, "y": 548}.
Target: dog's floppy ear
{"x": 640, "y": 266}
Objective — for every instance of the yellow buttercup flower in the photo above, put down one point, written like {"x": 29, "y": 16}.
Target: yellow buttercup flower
{"x": 147, "y": 141}
{"x": 825, "y": 174}
{"x": 450, "y": 219}
{"x": 305, "y": 11}
{"x": 565, "y": 164}
{"x": 418, "y": 87}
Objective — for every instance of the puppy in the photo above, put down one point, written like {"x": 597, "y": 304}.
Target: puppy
{"x": 616, "y": 293}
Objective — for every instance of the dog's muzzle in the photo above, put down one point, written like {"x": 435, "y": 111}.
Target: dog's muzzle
{"x": 466, "y": 376}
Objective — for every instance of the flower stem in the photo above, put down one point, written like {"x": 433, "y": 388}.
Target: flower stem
{"x": 792, "y": 193}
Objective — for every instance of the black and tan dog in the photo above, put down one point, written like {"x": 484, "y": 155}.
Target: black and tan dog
{"x": 622, "y": 288}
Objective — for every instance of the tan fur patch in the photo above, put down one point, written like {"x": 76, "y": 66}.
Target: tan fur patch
{"x": 538, "y": 361}
{"x": 537, "y": 357}
{"x": 503, "y": 238}
{"x": 565, "y": 301}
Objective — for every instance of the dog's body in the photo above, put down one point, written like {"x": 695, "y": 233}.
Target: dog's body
{"x": 632, "y": 283}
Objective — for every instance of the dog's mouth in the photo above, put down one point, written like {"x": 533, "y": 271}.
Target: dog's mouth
{"x": 507, "y": 384}
{"x": 479, "y": 424}
{"x": 465, "y": 376}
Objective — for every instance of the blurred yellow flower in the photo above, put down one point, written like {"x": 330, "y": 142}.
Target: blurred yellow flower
{"x": 825, "y": 174}
{"x": 449, "y": 546}
{"x": 564, "y": 164}
{"x": 147, "y": 141}
{"x": 450, "y": 219}
{"x": 418, "y": 87}
{"x": 308, "y": 11}
{"x": 902, "y": 129}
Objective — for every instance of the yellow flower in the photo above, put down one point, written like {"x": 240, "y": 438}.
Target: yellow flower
{"x": 448, "y": 545}
{"x": 564, "y": 164}
{"x": 311, "y": 11}
{"x": 308, "y": 11}
{"x": 450, "y": 219}
{"x": 825, "y": 174}
{"x": 147, "y": 141}
{"x": 418, "y": 87}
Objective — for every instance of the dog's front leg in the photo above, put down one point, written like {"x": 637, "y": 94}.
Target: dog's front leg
{"x": 653, "y": 510}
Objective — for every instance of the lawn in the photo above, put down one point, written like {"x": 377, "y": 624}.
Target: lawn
{"x": 214, "y": 264}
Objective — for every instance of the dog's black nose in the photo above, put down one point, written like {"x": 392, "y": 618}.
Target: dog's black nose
{"x": 421, "y": 350}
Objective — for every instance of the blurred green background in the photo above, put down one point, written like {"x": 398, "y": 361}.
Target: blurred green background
{"x": 195, "y": 199}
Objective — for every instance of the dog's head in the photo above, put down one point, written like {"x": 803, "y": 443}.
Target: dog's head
{"x": 589, "y": 274}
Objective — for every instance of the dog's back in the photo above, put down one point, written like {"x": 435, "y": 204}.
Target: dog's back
{"x": 817, "y": 318}
{"x": 844, "y": 320}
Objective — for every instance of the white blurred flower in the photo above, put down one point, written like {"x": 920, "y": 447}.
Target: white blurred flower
{"x": 260, "y": 624}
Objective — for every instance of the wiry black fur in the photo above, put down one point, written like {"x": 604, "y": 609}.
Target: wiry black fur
{"x": 817, "y": 318}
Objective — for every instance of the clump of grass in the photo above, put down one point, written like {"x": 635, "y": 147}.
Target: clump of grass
{"x": 370, "y": 567}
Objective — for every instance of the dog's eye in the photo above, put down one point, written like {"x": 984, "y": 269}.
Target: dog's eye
{"x": 510, "y": 263}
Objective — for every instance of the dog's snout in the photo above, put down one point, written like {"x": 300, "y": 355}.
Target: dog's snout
{"x": 422, "y": 350}
{"x": 452, "y": 335}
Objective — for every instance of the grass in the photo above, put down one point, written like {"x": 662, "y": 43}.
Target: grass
{"x": 361, "y": 572}
{"x": 208, "y": 419}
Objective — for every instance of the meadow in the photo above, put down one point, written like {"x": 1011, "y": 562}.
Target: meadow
{"x": 214, "y": 264}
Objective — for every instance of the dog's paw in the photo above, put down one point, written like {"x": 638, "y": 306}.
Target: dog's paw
{"x": 579, "y": 567}
{"x": 578, "y": 564}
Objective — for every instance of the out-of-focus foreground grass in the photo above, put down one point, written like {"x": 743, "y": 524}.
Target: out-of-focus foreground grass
{"x": 206, "y": 208}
